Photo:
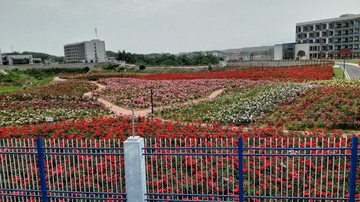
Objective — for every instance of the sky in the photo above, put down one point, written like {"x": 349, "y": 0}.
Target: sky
{"x": 161, "y": 26}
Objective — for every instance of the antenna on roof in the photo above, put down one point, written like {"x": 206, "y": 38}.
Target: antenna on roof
{"x": 96, "y": 33}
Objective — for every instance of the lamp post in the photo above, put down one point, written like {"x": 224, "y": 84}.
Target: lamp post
{"x": 133, "y": 123}
{"x": 152, "y": 102}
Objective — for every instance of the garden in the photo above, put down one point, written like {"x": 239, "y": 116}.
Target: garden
{"x": 267, "y": 107}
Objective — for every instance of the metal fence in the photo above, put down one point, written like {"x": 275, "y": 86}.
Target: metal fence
{"x": 52, "y": 170}
{"x": 204, "y": 169}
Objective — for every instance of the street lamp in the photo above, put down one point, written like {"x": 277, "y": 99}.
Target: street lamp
{"x": 133, "y": 123}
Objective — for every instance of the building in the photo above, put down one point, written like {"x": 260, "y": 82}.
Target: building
{"x": 325, "y": 38}
{"x": 19, "y": 60}
{"x": 235, "y": 56}
{"x": 85, "y": 52}
{"x": 280, "y": 50}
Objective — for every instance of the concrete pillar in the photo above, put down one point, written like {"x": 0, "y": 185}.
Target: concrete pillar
{"x": 135, "y": 177}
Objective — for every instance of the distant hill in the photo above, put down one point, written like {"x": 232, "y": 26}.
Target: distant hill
{"x": 248, "y": 49}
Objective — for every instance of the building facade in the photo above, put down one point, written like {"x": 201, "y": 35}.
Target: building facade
{"x": 280, "y": 50}
{"x": 19, "y": 60}
{"x": 85, "y": 52}
{"x": 324, "y": 38}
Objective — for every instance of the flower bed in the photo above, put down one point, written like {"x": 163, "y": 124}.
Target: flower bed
{"x": 121, "y": 127}
{"x": 136, "y": 92}
{"x": 240, "y": 108}
{"x": 328, "y": 107}
{"x": 60, "y": 100}
{"x": 302, "y": 73}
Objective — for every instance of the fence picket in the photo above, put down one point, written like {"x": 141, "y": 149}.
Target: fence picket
{"x": 353, "y": 165}
{"x": 42, "y": 169}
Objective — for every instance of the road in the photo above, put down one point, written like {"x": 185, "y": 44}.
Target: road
{"x": 352, "y": 69}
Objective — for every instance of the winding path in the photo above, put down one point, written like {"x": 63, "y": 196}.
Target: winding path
{"x": 122, "y": 111}
{"x": 119, "y": 110}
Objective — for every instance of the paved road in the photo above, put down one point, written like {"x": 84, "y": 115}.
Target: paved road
{"x": 352, "y": 69}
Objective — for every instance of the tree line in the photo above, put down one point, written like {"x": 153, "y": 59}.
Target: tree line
{"x": 167, "y": 59}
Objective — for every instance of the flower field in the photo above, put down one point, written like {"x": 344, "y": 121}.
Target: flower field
{"x": 61, "y": 100}
{"x": 239, "y": 108}
{"x": 297, "y": 74}
{"x": 136, "y": 92}
{"x": 324, "y": 107}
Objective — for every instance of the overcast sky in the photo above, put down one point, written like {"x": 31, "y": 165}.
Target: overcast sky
{"x": 146, "y": 26}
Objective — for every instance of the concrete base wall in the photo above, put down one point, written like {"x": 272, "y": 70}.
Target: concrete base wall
{"x": 73, "y": 65}
{"x": 274, "y": 63}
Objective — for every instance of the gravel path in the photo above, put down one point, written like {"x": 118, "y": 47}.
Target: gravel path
{"x": 58, "y": 79}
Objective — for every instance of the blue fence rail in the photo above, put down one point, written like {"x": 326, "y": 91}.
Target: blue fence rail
{"x": 182, "y": 169}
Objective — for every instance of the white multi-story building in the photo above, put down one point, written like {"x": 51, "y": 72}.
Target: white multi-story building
{"x": 324, "y": 38}
{"x": 87, "y": 51}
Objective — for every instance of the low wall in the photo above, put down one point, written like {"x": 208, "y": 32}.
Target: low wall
{"x": 73, "y": 65}
{"x": 180, "y": 67}
{"x": 277, "y": 63}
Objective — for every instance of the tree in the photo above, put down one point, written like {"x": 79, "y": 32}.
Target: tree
{"x": 289, "y": 55}
{"x": 301, "y": 53}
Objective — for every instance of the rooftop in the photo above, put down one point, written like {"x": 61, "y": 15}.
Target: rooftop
{"x": 77, "y": 43}
{"x": 341, "y": 18}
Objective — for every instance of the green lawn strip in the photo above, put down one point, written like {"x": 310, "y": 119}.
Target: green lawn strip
{"x": 5, "y": 89}
{"x": 338, "y": 73}
{"x": 349, "y": 61}
{"x": 24, "y": 83}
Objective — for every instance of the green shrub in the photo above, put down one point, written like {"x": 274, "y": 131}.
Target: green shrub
{"x": 110, "y": 66}
{"x": 142, "y": 67}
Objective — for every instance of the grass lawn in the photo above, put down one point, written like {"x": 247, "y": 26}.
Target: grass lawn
{"x": 16, "y": 86}
{"x": 338, "y": 73}
{"x": 348, "y": 61}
